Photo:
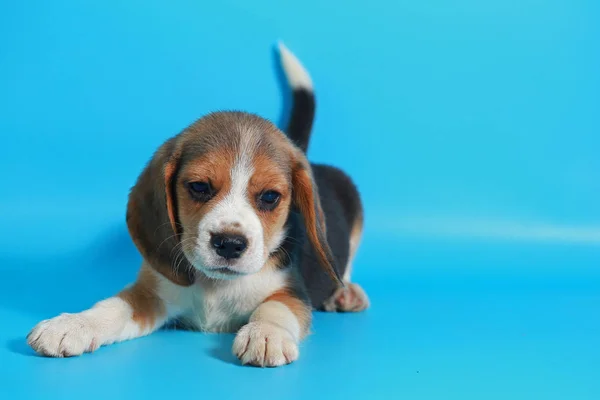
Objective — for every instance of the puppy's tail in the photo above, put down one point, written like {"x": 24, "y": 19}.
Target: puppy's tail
{"x": 303, "y": 103}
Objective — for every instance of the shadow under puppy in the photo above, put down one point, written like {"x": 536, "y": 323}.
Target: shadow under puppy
{"x": 238, "y": 233}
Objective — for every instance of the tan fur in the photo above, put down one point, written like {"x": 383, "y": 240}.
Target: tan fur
{"x": 299, "y": 308}
{"x": 213, "y": 167}
{"x": 143, "y": 298}
{"x": 355, "y": 236}
{"x": 169, "y": 174}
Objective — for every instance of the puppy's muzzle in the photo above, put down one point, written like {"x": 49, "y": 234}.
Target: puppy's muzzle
{"x": 228, "y": 246}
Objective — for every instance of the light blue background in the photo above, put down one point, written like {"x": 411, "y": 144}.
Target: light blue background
{"x": 471, "y": 128}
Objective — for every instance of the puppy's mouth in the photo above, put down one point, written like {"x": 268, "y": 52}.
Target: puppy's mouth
{"x": 222, "y": 273}
{"x": 226, "y": 271}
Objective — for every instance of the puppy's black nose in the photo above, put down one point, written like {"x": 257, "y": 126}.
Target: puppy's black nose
{"x": 229, "y": 246}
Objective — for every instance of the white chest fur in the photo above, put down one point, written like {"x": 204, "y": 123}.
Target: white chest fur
{"x": 219, "y": 305}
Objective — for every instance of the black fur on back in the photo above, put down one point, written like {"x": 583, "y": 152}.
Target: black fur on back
{"x": 342, "y": 208}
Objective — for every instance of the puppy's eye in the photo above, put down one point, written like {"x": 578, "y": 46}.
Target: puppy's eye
{"x": 201, "y": 191}
{"x": 268, "y": 200}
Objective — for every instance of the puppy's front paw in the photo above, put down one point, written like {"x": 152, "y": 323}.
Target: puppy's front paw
{"x": 265, "y": 345}
{"x": 63, "y": 336}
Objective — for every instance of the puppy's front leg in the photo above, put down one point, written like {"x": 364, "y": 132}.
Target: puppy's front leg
{"x": 271, "y": 337}
{"x": 134, "y": 312}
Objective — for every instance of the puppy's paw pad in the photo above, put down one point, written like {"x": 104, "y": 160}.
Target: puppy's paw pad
{"x": 63, "y": 336}
{"x": 351, "y": 298}
{"x": 265, "y": 345}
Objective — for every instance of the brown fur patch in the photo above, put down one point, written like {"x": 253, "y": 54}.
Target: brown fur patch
{"x": 142, "y": 297}
{"x": 300, "y": 309}
{"x": 213, "y": 167}
{"x": 270, "y": 175}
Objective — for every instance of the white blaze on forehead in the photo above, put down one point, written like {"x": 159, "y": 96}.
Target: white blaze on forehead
{"x": 242, "y": 169}
{"x": 241, "y": 172}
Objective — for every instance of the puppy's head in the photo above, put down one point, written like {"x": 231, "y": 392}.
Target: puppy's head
{"x": 216, "y": 199}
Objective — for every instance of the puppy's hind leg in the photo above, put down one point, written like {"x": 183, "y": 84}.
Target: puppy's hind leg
{"x": 134, "y": 312}
{"x": 352, "y": 297}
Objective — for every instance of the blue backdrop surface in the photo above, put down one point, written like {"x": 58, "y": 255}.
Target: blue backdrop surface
{"x": 470, "y": 127}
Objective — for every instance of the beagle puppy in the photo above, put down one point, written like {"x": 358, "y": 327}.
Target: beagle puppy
{"x": 238, "y": 233}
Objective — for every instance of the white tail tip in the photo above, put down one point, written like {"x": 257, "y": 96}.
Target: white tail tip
{"x": 295, "y": 72}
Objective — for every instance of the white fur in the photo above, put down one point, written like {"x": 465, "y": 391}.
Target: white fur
{"x": 265, "y": 344}
{"x": 270, "y": 338}
{"x": 220, "y": 305}
{"x": 297, "y": 76}
{"x": 207, "y": 305}
{"x": 354, "y": 242}
{"x": 276, "y": 240}
{"x": 107, "y": 322}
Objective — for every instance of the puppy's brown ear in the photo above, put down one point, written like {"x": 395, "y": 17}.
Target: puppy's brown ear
{"x": 152, "y": 216}
{"x": 306, "y": 198}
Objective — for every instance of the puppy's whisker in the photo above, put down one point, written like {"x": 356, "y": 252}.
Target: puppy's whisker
{"x": 181, "y": 243}
{"x": 178, "y": 261}
{"x": 166, "y": 223}
{"x": 292, "y": 239}
{"x": 168, "y": 238}
{"x": 181, "y": 256}
{"x": 287, "y": 253}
